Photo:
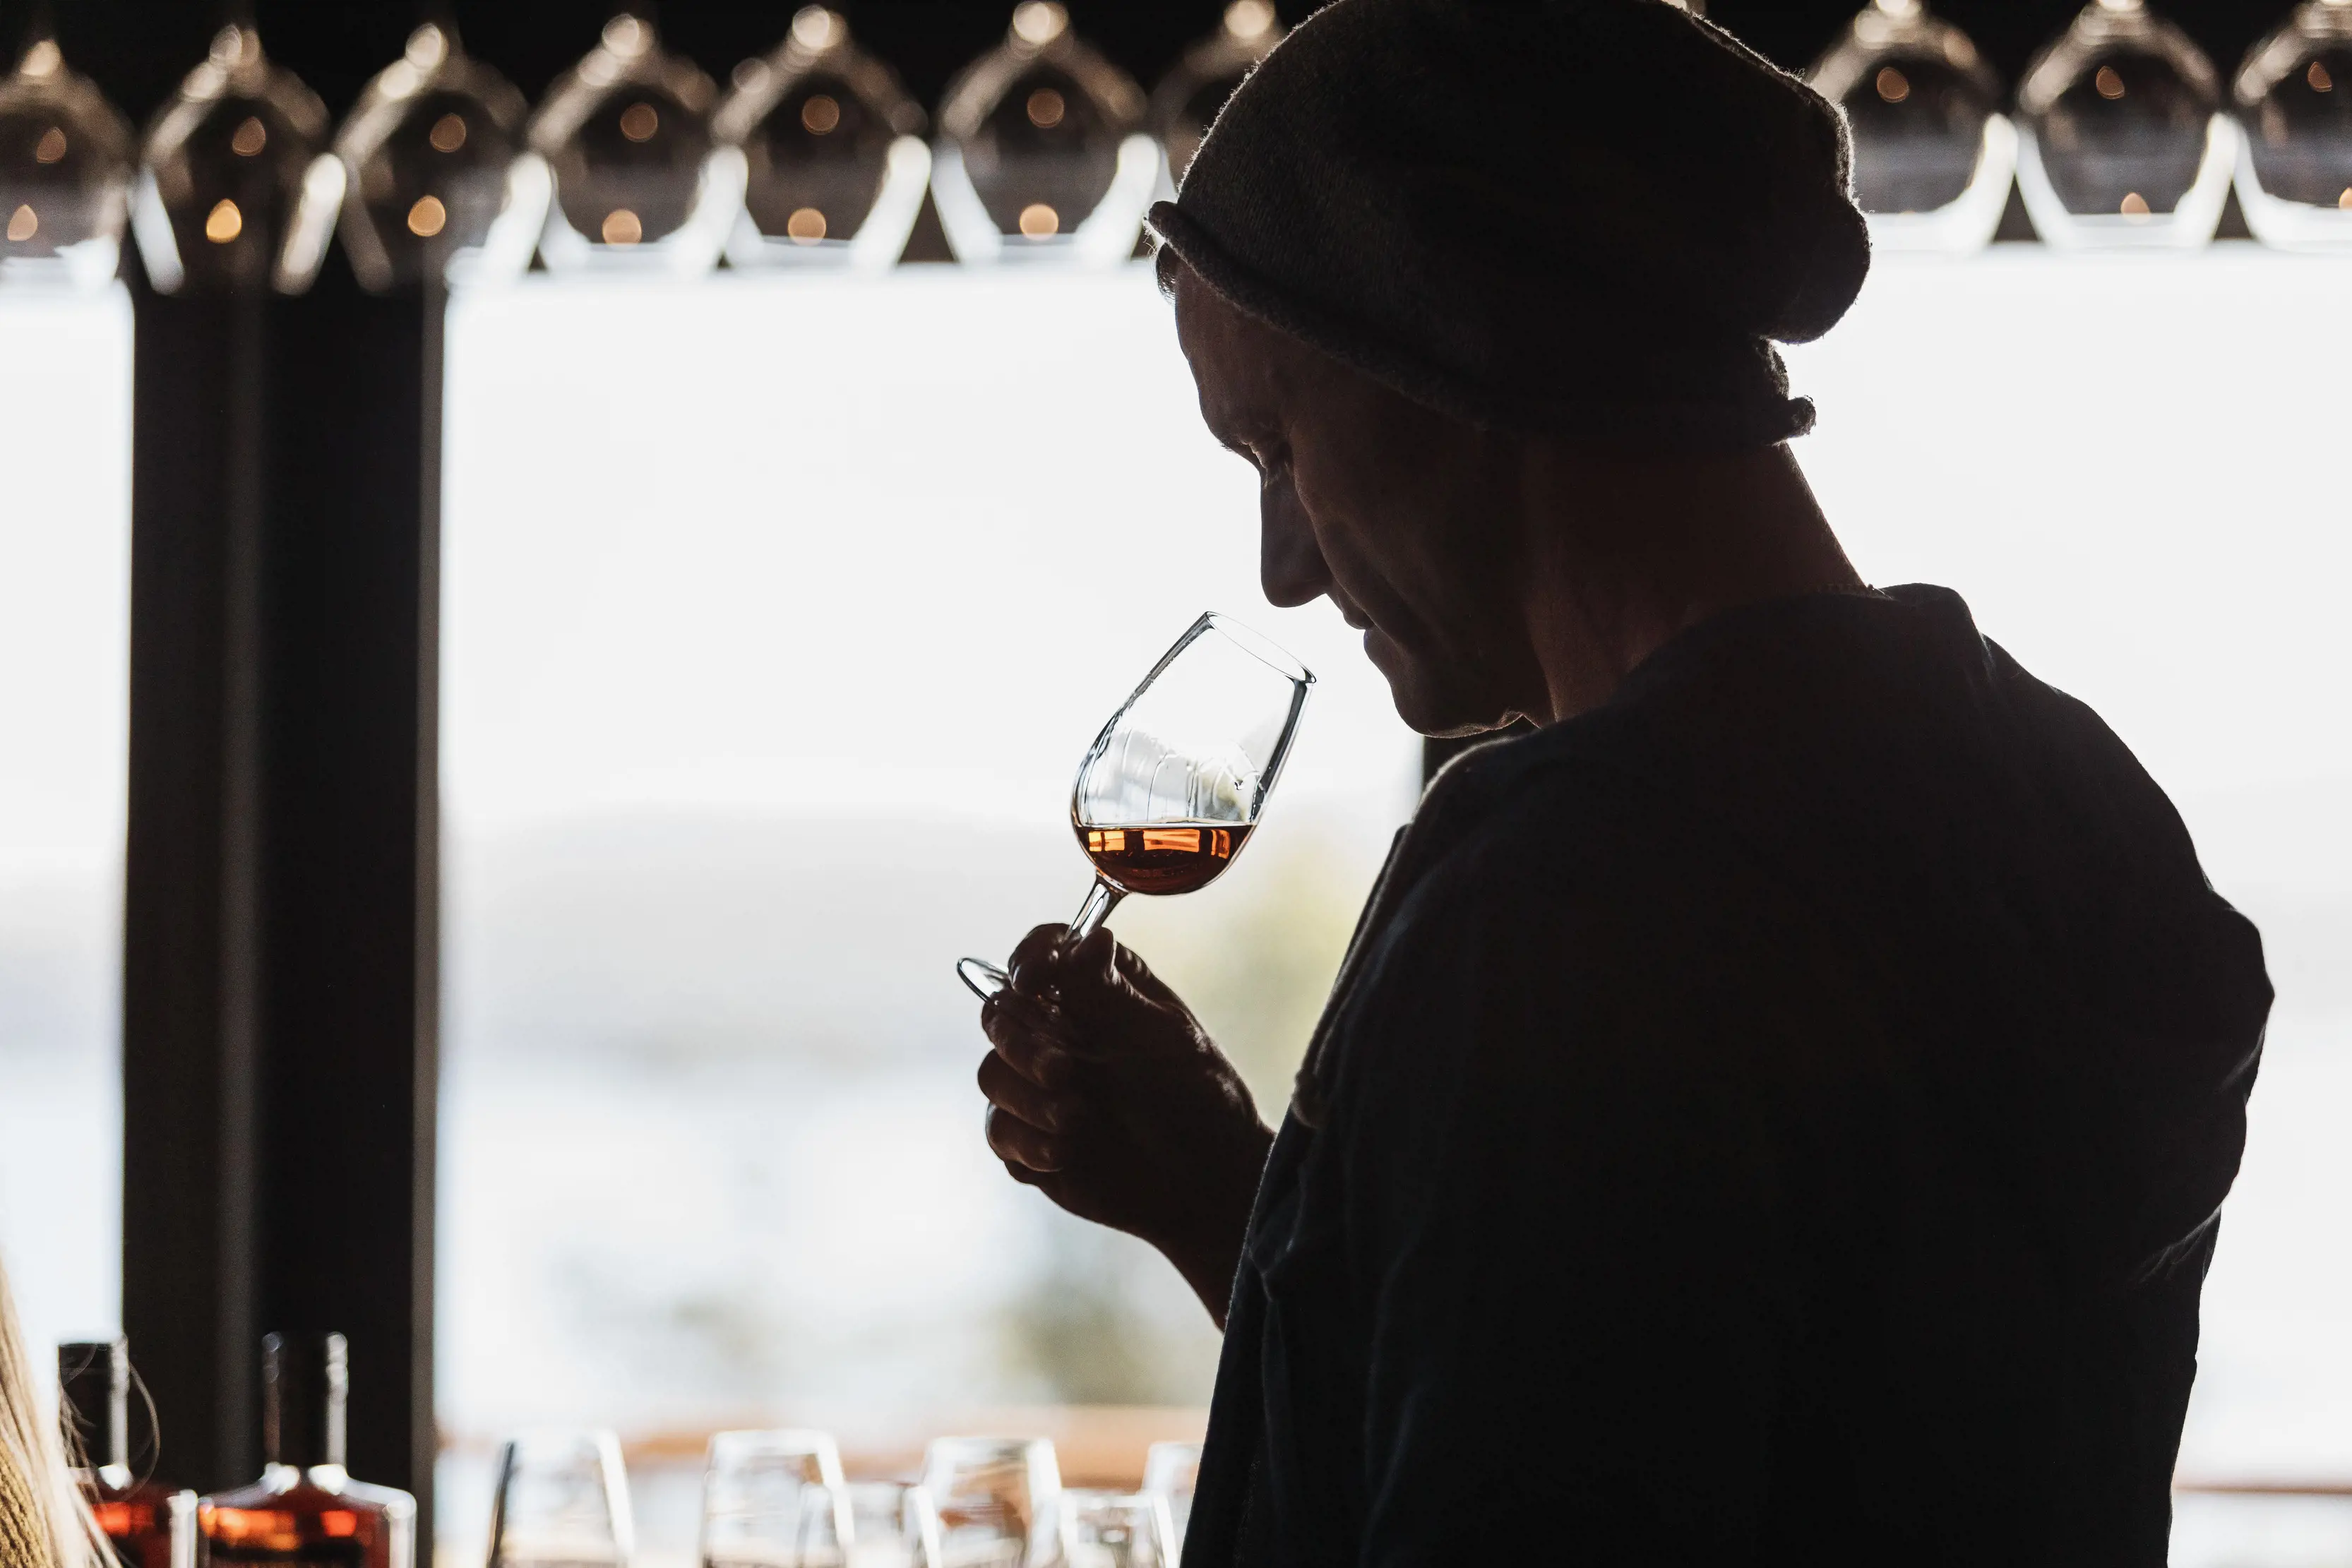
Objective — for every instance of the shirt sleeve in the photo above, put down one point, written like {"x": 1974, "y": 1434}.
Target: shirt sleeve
{"x": 1563, "y": 1208}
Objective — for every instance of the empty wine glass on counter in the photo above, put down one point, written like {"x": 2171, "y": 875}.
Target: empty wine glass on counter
{"x": 1170, "y": 1473}
{"x": 894, "y": 1525}
{"x": 563, "y": 1501}
{"x": 66, "y": 165}
{"x": 2123, "y": 144}
{"x": 1041, "y": 154}
{"x": 1173, "y": 785}
{"x": 835, "y": 169}
{"x": 1933, "y": 154}
{"x": 999, "y": 1501}
{"x": 775, "y": 1499}
{"x": 2295, "y": 158}
{"x": 1118, "y": 1530}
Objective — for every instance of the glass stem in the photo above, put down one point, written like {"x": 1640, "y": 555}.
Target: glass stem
{"x": 1101, "y": 899}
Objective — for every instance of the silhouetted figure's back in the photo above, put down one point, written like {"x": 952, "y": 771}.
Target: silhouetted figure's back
{"x": 1776, "y": 1117}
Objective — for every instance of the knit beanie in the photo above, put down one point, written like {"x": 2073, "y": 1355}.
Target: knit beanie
{"x": 1582, "y": 217}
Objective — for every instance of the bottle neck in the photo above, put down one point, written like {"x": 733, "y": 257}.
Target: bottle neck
{"x": 94, "y": 1401}
{"x": 305, "y": 1391}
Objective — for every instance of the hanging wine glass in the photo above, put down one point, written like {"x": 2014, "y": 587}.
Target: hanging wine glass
{"x": 66, "y": 163}
{"x": 640, "y": 185}
{"x": 1188, "y": 98}
{"x": 2122, "y": 145}
{"x": 238, "y": 191}
{"x": 1933, "y": 154}
{"x": 833, "y": 166}
{"x": 2294, "y": 106}
{"x": 1041, "y": 154}
{"x": 429, "y": 149}
{"x": 1174, "y": 785}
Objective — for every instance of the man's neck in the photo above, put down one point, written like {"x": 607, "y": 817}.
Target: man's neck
{"x": 1626, "y": 555}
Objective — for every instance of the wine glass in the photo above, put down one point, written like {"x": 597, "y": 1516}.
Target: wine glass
{"x": 1118, "y": 1530}
{"x": 562, "y": 1502}
{"x": 1171, "y": 1472}
{"x": 894, "y": 1526}
{"x": 1173, "y": 785}
{"x": 775, "y": 1499}
{"x": 999, "y": 1501}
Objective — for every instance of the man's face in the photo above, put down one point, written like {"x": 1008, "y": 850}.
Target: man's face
{"x": 1406, "y": 520}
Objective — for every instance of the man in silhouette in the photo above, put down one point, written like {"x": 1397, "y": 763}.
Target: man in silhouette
{"x": 1775, "y": 1113}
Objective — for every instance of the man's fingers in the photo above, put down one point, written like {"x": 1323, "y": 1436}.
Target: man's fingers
{"x": 1010, "y": 1092}
{"x": 1147, "y": 985}
{"x": 1014, "y": 1140}
{"x": 1036, "y": 1042}
{"x": 1036, "y": 958}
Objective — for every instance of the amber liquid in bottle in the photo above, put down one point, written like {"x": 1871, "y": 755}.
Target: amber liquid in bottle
{"x": 1168, "y": 857}
{"x": 148, "y": 1523}
{"x": 306, "y": 1511}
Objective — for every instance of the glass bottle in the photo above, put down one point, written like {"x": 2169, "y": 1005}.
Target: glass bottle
{"x": 429, "y": 150}
{"x": 149, "y": 1524}
{"x": 834, "y": 164}
{"x": 2295, "y": 107}
{"x": 640, "y": 186}
{"x": 1933, "y": 154}
{"x": 1188, "y": 98}
{"x": 237, "y": 191}
{"x": 66, "y": 163}
{"x": 2122, "y": 145}
{"x": 306, "y": 1511}
{"x": 1040, "y": 155}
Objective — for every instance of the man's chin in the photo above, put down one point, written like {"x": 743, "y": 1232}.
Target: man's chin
{"x": 1428, "y": 704}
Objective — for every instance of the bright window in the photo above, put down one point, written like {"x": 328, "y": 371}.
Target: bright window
{"x": 778, "y": 613}
{"x": 65, "y": 588}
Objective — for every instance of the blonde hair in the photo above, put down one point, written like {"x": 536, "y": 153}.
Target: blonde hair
{"x": 44, "y": 1522}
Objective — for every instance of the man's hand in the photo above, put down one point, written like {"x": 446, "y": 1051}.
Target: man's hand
{"x": 1105, "y": 1095}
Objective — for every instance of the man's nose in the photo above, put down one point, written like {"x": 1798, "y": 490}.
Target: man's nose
{"x": 1290, "y": 563}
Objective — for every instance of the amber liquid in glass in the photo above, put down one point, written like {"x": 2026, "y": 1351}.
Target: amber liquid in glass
{"x": 1167, "y": 857}
{"x": 310, "y": 1518}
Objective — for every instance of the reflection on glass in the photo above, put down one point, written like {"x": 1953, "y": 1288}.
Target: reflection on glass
{"x": 1172, "y": 786}
{"x": 562, "y": 1502}
{"x": 775, "y": 1499}
{"x": 1041, "y": 154}
{"x": 999, "y": 1501}
{"x": 1933, "y": 155}
{"x": 1171, "y": 1472}
{"x": 834, "y": 165}
{"x": 1118, "y": 1529}
{"x": 65, "y": 174}
{"x": 2294, "y": 106}
{"x": 2123, "y": 144}
{"x": 1188, "y": 98}
{"x": 640, "y": 185}
{"x": 428, "y": 150}
{"x": 237, "y": 193}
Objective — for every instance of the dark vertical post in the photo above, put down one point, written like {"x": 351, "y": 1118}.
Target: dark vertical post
{"x": 350, "y": 878}
{"x": 279, "y": 997}
{"x": 191, "y": 958}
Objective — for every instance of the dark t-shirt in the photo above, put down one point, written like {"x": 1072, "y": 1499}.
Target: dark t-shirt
{"x": 1778, "y": 1117}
